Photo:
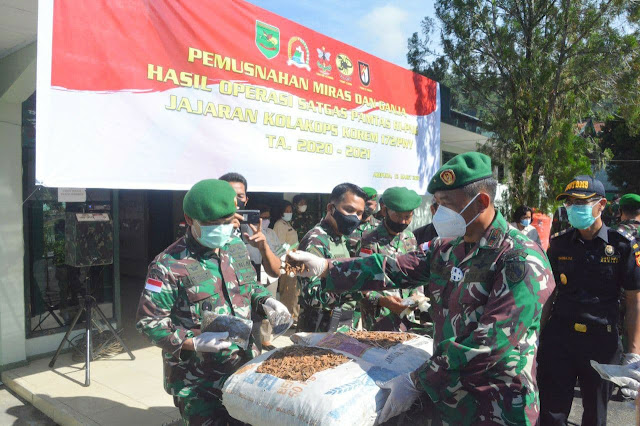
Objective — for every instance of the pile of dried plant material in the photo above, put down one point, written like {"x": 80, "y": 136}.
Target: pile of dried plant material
{"x": 299, "y": 363}
{"x": 381, "y": 339}
{"x": 293, "y": 267}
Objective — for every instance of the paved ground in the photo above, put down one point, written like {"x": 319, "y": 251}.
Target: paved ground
{"x": 17, "y": 412}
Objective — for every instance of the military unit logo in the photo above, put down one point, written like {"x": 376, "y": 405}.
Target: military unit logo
{"x": 267, "y": 39}
{"x": 448, "y": 177}
{"x": 563, "y": 279}
{"x": 324, "y": 64}
{"x": 456, "y": 274}
{"x": 363, "y": 71}
{"x": 345, "y": 66}
{"x": 298, "y": 53}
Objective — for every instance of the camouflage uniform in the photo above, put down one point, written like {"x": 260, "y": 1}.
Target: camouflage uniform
{"x": 302, "y": 223}
{"x": 353, "y": 240}
{"x": 194, "y": 279}
{"x": 380, "y": 241}
{"x": 486, "y": 324}
{"x": 315, "y": 306}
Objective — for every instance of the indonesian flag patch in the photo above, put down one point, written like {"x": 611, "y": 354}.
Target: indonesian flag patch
{"x": 364, "y": 252}
{"x": 153, "y": 285}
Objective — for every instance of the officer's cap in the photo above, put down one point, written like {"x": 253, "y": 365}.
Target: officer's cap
{"x": 401, "y": 199}
{"x": 372, "y": 194}
{"x": 460, "y": 171}
{"x": 632, "y": 200}
{"x": 582, "y": 187}
{"x": 210, "y": 199}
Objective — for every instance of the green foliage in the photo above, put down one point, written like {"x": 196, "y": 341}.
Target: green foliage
{"x": 617, "y": 137}
{"x": 537, "y": 68}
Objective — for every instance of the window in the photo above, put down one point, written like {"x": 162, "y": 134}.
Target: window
{"x": 55, "y": 288}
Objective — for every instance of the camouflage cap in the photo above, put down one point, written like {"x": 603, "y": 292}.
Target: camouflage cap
{"x": 401, "y": 199}
{"x": 632, "y": 200}
{"x": 460, "y": 171}
{"x": 372, "y": 194}
{"x": 210, "y": 199}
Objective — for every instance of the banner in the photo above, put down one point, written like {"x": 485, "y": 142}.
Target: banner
{"x": 151, "y": 94}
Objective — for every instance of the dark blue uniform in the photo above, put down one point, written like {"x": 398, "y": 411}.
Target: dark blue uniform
{"x": 589, "y": 275}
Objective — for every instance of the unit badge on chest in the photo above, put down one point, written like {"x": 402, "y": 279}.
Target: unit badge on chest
{"x": 608, "y": 250}
{"x": 456, "y": 274}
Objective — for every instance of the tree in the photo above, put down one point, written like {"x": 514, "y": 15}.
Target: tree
{"x": 420, "y": 51}
{"x": 537, "y": 68}
{"x": 625, "y": 171}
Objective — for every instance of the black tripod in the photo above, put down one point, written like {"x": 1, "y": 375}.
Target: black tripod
{"x": 89, "y": 306}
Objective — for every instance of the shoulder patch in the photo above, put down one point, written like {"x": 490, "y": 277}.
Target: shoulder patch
{"x": 153, "y": 285}
{"x": 515, "y": 270}
{"x": 557, "y": 234}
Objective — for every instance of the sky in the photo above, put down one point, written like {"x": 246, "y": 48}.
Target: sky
{"x": 377, "y": 27}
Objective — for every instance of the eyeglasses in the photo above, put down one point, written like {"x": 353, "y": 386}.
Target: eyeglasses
{"x": 581, "y": 202}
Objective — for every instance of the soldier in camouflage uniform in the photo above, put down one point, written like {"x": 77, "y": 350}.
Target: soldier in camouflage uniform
{"x": 207, "y": 269}
{"x": 302, "y": 220}
{"x": 381, "y": 310}
{"x": 487, "y": 283}
{"x": 630, "y": 215}
{"x": 368, "y": 222}
{"x": 328, "y": 239}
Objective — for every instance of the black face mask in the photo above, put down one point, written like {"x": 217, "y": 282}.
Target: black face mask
{"x": 347, "y": 223}
{"x": 395, "y": 226}
{"x": 241, "y": 204}
{"x": 368, "y": 211}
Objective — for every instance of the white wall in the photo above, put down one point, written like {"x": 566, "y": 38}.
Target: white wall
{"x": 17, "y": 83}
{"x": 12, "y": 313}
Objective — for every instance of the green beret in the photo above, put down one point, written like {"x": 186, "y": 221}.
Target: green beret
{"x": 371, "y": 193}
{"x": 460, "y": 171}
{"x": 632, "y": 200}
{"x": 401, "y": 199}
{"x": 210, "y": 199}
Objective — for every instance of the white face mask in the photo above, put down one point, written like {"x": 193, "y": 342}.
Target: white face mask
{"x": 302, "y": 209}
{"x": 287, "y": 216}
{"x": 265, "y": 223}
{"x": 450, "y": 224}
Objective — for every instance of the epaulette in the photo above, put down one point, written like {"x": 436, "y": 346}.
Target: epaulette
{"x": 629, "y": 236}
{"x": 564, "y": 231}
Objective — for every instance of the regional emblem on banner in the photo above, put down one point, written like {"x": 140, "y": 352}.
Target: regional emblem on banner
{"x": 298, "y": 53}
{"x": 345, "y": 66}
{"x": 363, "y": 70}
{"x": 324, "y": 64}
{"x": 267, "y": 39}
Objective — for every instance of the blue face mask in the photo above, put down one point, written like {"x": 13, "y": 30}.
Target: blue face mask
{"x": 215, "y": 236}
{"x": 525, "y": 222}
{"x": 581, "y": 216}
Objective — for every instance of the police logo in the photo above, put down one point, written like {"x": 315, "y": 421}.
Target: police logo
{"x": 456, "y": 274}
{"x": 563, "y": 279}
{"x": 448, "y": 177}
{"x": 515, "y": 270}
{"x": 363, "y": 71}
{"x": 608, "y": 250}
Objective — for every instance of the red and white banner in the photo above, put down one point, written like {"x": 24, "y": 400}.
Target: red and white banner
{"x": 158, "y": 94}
